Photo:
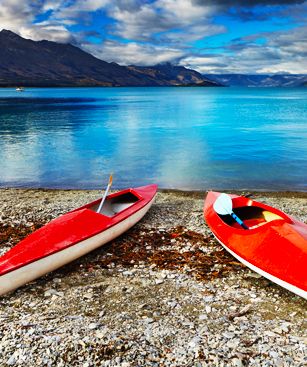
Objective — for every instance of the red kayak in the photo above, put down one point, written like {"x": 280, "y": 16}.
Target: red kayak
{"x": 274, "y": 245}
{"x": 72, "y": 235}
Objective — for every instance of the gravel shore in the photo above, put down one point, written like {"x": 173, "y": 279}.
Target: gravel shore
{"x": 163, "y": 294}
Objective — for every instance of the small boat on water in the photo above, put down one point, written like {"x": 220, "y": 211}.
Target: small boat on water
{"x": 273, "y": 243}
{"x": 20, "y": 89}
{"x": 73, "y": 235}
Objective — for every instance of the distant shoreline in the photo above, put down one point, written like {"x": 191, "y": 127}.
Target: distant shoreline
{"x": 150, "y": 86}
{"x": 116, "y": 86}
{"x": 188, "y": 193}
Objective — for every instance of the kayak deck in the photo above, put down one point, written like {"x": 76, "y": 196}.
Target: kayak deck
{"x": 77, "y": 226}
{"x": 274, "y": 245}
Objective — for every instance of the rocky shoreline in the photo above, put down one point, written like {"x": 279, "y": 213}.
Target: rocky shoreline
{"x": 163, "y": 294}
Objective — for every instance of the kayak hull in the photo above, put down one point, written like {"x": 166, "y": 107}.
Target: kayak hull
{"x": 35, "y": 267}
{"x": 276, "y": 248}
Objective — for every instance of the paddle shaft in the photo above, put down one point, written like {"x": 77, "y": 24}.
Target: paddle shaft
{"x": 103, "y": 199}
{"x": 105, "y": 194}
{"x": 238, "y": 220}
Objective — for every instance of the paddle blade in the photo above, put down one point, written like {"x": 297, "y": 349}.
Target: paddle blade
{"x": 223, "y": 205}
{"x": 111, "y": 179}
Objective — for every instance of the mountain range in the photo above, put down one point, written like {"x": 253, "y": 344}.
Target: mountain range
{"x": 259, "y": 80}
{"x": 24, "y": 62}
{"x": 45, "y": 63}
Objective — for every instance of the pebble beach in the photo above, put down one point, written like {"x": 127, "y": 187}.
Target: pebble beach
{"x": 163, "y": 294}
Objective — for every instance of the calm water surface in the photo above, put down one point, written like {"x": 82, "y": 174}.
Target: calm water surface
{"x": 185, "y": 138}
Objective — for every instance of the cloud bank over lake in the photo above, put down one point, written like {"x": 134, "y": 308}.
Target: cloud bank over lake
{"x": 209, "y": 36}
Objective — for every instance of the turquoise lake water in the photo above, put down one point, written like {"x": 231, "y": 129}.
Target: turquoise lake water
{"x": 183, "y": 138}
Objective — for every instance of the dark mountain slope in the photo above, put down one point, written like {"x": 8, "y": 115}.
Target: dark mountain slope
{"x": 27, "y": 62}
{"x": 44, "y": 63}
{"x": 168, "y": 74}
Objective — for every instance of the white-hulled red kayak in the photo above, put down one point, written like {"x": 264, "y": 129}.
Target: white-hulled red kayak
{"x": 275, "y": 245}
{"x": 72, "y": 235}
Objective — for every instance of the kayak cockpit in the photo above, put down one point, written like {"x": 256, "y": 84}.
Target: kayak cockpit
{"x": 116, "y": 204}
{"x": 252, "y": 216}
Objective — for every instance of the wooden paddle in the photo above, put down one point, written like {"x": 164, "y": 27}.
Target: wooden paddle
{"x": 105, "y": 193}
{"x": 223, "y": 206}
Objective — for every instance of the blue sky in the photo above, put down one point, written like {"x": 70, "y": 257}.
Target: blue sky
{"x": 211, "y": 36}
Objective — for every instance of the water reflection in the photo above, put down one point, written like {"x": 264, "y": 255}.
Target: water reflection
{"x": 182, "y": 138}
{"x": 19, "y": 116}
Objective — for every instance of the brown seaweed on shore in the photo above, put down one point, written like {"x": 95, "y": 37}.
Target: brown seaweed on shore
{"x": 175, "y": 249}
{"x": 11, "y": 235}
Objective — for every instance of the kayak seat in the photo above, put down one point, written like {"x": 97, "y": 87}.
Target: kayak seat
{"x": 269, "y": 216}
{"x": 117, "y": 204}
{"x": 252, "y": 216}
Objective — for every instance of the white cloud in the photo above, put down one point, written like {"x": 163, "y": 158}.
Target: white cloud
{"x": 284, "y": 67}
{"x": 52, "y": 5}
{"x": 19, "y": 17}
{"x": 140, "y": 23}
{"x": 158, "y": 20}
{"x": 78, "y": 7}
{"x": 204, "y": 64}
{"x": 47, "y": 31}
{"x": 14, "y": 14}
{"x": 161, "y": 30}
{"x": 133, "y": 53}
{"x": 284, "y": 51}
{"x": 194, "y": 33}
{"x": 186, "y": 12}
